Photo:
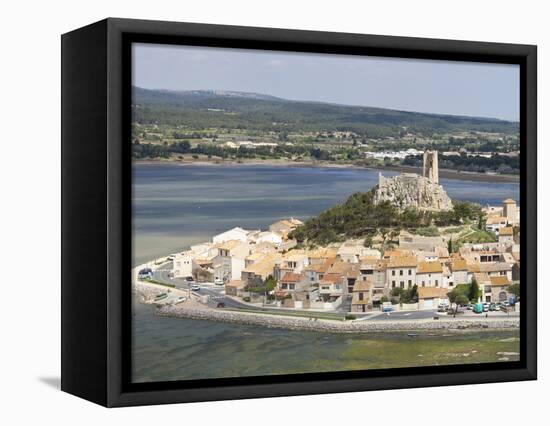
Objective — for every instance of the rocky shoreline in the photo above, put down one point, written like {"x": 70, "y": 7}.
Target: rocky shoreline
{"x": 197, "y": 311}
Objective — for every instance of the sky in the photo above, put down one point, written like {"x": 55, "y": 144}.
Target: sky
{"x": 441, "y": 87}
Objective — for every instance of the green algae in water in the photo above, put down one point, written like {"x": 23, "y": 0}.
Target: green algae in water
{"x": 167, "y": 349}
{"x": 395, "y": 350}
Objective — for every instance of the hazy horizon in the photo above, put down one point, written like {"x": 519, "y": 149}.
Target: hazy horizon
{"x": 467, "y": 89}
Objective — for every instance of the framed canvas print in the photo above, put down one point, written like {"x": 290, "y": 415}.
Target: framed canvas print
{"x": 253, "y": 212}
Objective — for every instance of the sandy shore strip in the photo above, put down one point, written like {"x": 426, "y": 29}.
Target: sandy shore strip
{"x": 198, "y": 311}
{"x": 443, "y": 173}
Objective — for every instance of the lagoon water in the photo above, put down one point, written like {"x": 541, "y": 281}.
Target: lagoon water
{"x": 175, "y": 206}
{"x": 167, "y": 349}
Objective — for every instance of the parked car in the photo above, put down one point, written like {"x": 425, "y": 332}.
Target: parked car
{"x": 195, "y": 287}
{"x": 145, "y": 274}
{"x": 220, "y": 305}
{"x": 443, "y": 308}
{"x": 189, "y": 280}
{"x": 485, "y": 307}
{"x": 218, "y": 281}
{"x": 493, "y": 307}
{"x": 469, "y": 306}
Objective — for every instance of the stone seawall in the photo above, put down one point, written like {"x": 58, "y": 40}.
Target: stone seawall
{"x": 193, "y": 310}
{"x": 146, "y": 292}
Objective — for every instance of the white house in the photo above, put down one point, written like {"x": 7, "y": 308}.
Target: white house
{"x": 230, "y": 260}
{"x": 267, "y": 237}
{"x": 401, "y": 271}
{"x": 236, "y": 233}
{"x": 184, "y": 265}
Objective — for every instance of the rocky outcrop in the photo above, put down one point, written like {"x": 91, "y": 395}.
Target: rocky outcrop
{"x": 411, "y": 190}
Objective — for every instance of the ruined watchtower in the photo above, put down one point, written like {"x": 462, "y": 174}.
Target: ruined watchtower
{"x": 430, "y": 168}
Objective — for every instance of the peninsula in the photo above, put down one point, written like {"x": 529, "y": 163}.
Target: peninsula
{"x": 400, "y": 256}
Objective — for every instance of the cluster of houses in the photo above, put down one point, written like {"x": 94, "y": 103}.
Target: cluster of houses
{"x": 324, "y": 278}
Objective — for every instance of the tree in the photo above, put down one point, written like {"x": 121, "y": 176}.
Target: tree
{"x": 450, "y": 245}
{"x": 514, "y": 289}
{"x": 368, "y": 241}
{"x": 414, "y": 294}
{"x": 481, "y": 222}
{"x": 396, "y": 292}
{"x": 383, "y": 233}
{"x": 458, "y": 298}
{"x": 394, "y": 233}
{"x": 474, "y": 292}
{"x": 270, "y": 283}
{"x": 260, "y": 286}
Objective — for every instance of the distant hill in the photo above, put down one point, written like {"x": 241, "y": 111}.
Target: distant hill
{"x": 229, "y": 109}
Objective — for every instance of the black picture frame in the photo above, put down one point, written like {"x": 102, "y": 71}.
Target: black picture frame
{"x": 96, "y": 211}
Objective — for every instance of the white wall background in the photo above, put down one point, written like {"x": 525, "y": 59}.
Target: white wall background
{"x": 30, "y": 209}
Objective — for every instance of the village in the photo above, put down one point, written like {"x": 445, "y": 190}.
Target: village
{"x": 411, "y": 272}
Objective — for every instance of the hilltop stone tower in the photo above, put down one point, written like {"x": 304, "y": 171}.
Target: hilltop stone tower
{"x": 412, "y": 190}
{"x": 430, "y": 167}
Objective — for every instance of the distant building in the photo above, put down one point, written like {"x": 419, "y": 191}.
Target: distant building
{"x": 292, "y": 283}
{"x": 495, "y": 289}
{"x": 510, "y": 211}
{"x": 401, "y": 271}
{"x": 184, "y": 265}
{"x": 375, "y": 270}
{"x": 332, "y": 286}
{"x": 293, "y": 261}
{"x": 506, "y": 235}
{"x": 233, "y": 234}
{"x": 285, "y": 226}
{"x": 260, "y": 270}
{"x": 459, "y": 269}
{"x": 431, "y": 297}
{"x": 230, "y": 260}
{"x": 429, "y": 274}
{"x": 361, "y": 300}
{"x": 258, "y": 237}
{"x": 494, "y": 223}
